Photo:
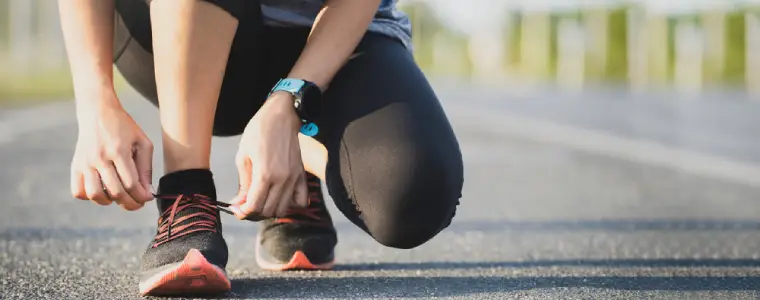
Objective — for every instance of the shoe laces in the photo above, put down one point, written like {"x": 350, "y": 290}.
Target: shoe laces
{"x": 202, "y": 215}
{"x": 313, "y": 212}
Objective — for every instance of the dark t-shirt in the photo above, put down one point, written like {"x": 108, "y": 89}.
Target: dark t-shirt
{"x": 388, "y": 21}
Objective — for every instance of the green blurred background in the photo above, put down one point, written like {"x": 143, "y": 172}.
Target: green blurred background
{"x": 624, "y": 44}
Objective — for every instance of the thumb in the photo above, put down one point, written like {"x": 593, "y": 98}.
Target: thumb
{"x": 143, "y": 154}
{"x": 243, "y": 164}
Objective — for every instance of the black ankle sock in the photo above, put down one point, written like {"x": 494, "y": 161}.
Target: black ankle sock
{"x": 187, "y": 182}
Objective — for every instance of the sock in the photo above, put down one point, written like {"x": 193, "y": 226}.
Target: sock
{"x": 187, "y": 182}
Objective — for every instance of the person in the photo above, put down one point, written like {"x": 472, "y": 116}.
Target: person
{"x": 321, "y": 91}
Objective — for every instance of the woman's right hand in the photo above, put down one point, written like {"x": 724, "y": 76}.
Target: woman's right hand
{"x": 113, "y": 157}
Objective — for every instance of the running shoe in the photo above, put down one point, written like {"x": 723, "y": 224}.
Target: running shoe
{"x": 304, "y": 239}
{"x": 188, "y": 255}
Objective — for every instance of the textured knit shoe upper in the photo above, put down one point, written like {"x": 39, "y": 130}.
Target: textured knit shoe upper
{"x": 309, "y": 230}
{"x": 187, "y": 222}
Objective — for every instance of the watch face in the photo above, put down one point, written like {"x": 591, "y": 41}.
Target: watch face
{"x": 311, "y": 102}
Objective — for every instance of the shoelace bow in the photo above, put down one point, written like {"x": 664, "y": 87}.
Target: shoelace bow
{"x": 170, "y": 227}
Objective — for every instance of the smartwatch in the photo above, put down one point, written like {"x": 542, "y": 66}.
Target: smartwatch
{"x": 307, "y": 101}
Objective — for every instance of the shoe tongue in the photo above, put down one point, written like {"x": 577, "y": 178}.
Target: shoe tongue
{"x": 169, "y": 200}
{"x": 186, "y": 182}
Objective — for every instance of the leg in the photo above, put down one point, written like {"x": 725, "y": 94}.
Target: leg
{"x": 188, "y": 253}
{"x": 192, "y": 57}
{"x": 394, "y": 165}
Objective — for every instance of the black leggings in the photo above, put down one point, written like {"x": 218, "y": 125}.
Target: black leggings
{"x": 394, "y": 165}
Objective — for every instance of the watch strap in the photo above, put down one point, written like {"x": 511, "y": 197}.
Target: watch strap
{"x": 294, "y": 87}
{"x": 289, "y": 85}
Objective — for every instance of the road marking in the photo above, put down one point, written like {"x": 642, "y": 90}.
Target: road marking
{"x": 586, "y": 140}
{"x": 591, "y": 141}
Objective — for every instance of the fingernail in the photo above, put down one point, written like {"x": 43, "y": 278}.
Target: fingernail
{"x": 236, "y": 210}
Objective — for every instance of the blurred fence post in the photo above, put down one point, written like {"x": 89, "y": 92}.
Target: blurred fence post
{"x": 596, "y": 26}
{"x": 535, "y": 48}
{"x": 714, "y": 25}
{"x": 571, "y": 54}
{"x": 21, "y": 14}
{"x": 50, "y": 40}
{"x": 657, "y": 42}
{"x": 486, "y": 50}
{"x": 689, "y": 57}
{"x": 638, "y": 48}
{"x": 752, "y": 52}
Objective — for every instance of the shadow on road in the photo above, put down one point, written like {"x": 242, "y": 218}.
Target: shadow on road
{"x": 612, "y": 263}
{"x": 461, "y": 226}
{"x": 607, "y": 225}
{"x": 384, "y": 287}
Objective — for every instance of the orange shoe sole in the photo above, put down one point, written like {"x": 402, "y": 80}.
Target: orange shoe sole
{"x": 299, "y": 262}
{"x": 192, "y": 276}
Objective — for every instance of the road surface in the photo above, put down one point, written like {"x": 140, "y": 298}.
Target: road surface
{"x": 592, "y": 196}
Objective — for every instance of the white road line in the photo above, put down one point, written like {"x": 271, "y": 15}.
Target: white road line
{"x": 590, "y": 141}
{"x": 635, "y": 150}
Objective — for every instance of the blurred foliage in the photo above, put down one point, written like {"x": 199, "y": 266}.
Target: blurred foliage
{"x": 735, "y": 63}
{"x": 16, "y": 90}
{"x": 4, "y": 30}
{"x": 615, "y": 70}
{"x": 617, "y": 49}
{"x": 443, "y": 51}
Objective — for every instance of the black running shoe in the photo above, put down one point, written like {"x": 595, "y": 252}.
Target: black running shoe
{"x": 303, "y": 240}
{"x": 188, "y": 254}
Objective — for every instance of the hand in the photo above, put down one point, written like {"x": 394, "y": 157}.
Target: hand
{"x": 270, "y": 169}
{"x": 113, "y": 157}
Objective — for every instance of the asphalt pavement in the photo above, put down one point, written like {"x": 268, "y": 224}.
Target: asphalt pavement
{"x": 586, "y": 196}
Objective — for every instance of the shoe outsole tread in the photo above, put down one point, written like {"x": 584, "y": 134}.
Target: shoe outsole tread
{"x": 192, "y": 276}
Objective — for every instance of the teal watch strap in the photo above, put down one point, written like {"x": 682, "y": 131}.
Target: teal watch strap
{"x": 294, "y": 87}
{"x": 289, "y": 85}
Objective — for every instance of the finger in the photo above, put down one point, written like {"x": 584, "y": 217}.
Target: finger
{"x": 286, "y": 199}
{"x": 94, "y": 187}
{"x": 272, "y": 200}
{"x": 143, "y": 159}
{"x": 279, "y": 185}
{"x": 243, "y": 164}
{"x": 256, "y": 197}
{"x": 301, "y": 191}
{"x": 130, "y": 180}
{"x": 115, "y": 189}
{"x": 77, "y": 185}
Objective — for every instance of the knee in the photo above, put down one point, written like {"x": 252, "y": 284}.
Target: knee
{"x": 408, "y": 211}
{"x": 402, "y": 231}
{"x": 406, "y": 186}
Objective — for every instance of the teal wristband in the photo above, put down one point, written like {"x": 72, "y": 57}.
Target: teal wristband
{"x": 295, "y": 88}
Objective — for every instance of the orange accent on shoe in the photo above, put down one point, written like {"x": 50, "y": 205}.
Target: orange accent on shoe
{"x": 299, "y": 261}
{"x": 193, "y": 276}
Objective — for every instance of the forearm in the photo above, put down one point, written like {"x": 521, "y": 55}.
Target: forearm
{"x": 88, "y": 27}
{"x": 337, "y": 31}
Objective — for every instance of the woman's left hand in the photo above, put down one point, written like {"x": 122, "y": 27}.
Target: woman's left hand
{"x": 270, "y": 169}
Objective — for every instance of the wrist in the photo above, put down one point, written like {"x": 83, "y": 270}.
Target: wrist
{"x": 93, "y": 102}
{"x": 91, "y": 80}
{"x": 281, "y": 104}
